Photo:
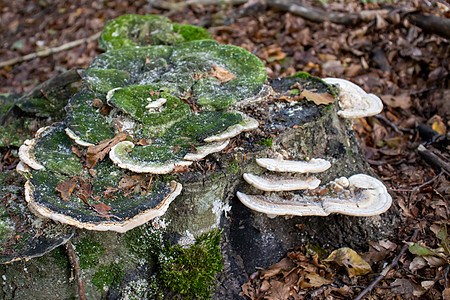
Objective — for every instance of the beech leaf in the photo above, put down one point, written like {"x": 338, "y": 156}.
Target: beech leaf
{"x": 318, "y": 98}
{"x": 351, "y": 260}
{"x": 66, "y": 188}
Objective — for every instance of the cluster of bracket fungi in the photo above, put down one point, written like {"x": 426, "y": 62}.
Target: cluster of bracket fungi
{"x": 152, "y": 106}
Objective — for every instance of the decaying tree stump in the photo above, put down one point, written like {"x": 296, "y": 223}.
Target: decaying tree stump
{"x": 179, "y": 253}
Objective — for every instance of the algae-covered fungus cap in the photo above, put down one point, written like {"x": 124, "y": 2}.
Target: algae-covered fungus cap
{"x": 368, "y": 197}
{"x": 22, "y": 234}
{"x": 101, "y": 198}
{"x": 138, "y": 30}
{"x": 354, "y": 101}
{"x": 276, "y": 183}
{"x": 314, "y": 165}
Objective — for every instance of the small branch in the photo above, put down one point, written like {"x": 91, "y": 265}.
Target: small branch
{"x": 433, "y": 160}
{"x": 431, "y": 24}
{"x": 49, "y": 51}
{"x": 319, "y": 15}
{"x": 75, "y": 262}
{"x": 387, "y": 269}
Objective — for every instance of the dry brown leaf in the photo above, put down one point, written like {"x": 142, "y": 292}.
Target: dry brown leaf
{"x": 351, "y": 260}
{"x": 403, "y": 100}
{"x": 222, "y": 74}
{"x": 278, "y": 291}
{"x": 97, "y": 103}
{"x": 128, "y": 181}
{"x": 66, "y": 188}
{"x": 98, "y": 152}
{"x": 283, "y": 265}
{"x": 101, "y": 208}
{"x": 314, "y": 280}
{"x": 318, "y": 98}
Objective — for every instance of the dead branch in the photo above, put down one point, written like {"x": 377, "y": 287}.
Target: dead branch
{"x": 75, "y": 262}
{"x": 431, "y": 24}
{"x": 388, "y": 268}
{"x": 433, "y": 160}
{"x": 49, "y": 51}
{"x": 319, "y": 15}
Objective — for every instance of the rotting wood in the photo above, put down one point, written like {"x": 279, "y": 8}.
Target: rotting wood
{"x": 431, "y": 24}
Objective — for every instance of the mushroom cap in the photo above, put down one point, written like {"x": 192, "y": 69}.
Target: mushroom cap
{"x": 26, "y": 155}
{"x": 354, "y": 101}
{"x": 275, "y": 205}
{"x": 369, "y": 198}
{"x": 279, "y": 183}
{"x": 104, "y": 198}
{"x": 246, "y": 124}
{"x": 315, "y": 165}
{"x": 138, "y": 30}
{"x": 203, "y": 151}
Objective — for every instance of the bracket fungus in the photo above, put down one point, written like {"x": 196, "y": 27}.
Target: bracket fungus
{"x": 359, "y": 195}
{"x": 138, "y": 30}
{"x": 101, "y": 198}
{"x": 141, "y": 112}
{"x": 22, "y": 234}
{"x": 354, "y": 101}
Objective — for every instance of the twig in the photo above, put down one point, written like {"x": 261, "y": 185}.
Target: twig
{"x": 75, "y": 262}
{"x": 433, "y": 160}
{"x": 49, "y": 51}
{"x": 385, "y": 120}
{"x": 419, "y": 186}
{"x": 387, "y": 269}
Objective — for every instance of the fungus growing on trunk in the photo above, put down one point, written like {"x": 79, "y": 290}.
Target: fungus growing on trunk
{"x": 101, "y": 198}
{"x": 354, "y": 101}
{"x": 365, "y": 196}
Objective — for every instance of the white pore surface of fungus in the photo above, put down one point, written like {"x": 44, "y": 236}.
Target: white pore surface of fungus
{"x": 272, "y": 183}
{"x": 354, "y": 101}
{"x": 315, "y": 165}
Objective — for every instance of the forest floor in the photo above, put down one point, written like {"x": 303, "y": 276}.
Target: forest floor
{"x": 386, "y": 55}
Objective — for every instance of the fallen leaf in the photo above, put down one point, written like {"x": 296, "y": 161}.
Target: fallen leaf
{"x": 76, "y": 151}
{"x": 417, "y": 263}
{"x": 318, "y": 98}
{"x": 222, "y": 74}
{"x": 283, "y": 265}
{"x": 314, "y": 280}
{"x": 420, "y": 250}
{"x": 101, "y": 208}
{"x": 278, "y": 291}
{"x": 98, "y": 152}
{"x": 66, "y": 188}
{"x": 351, "y": 260}
{"x": 128, "y": 181}
{"x": 403, "y": 100}
{"x": 446, "y": 294}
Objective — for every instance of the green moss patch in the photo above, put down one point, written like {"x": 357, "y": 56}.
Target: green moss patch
{"x": 138, "y": 30}
{"x": 108, "y": 276}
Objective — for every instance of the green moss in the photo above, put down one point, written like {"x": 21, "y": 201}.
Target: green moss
{"x": 190, "y": 272}
{"x": 266, "y": 142}
{"x": 60, "y": 258}
{"x": 145, "y": 241}
{"x": 302, "y": 75}
{"x": 136, "y": 30}
{"x": 108, "y": 276}
{"x": 104, "y": 80}
{"x": 234, "y": 166}
{"x": 89, "y": 252}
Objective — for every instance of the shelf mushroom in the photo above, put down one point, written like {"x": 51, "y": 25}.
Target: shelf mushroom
{"x": 101, "y": 198}
{"x": 354, "y": 101}
{"x": 359, "y": 195}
